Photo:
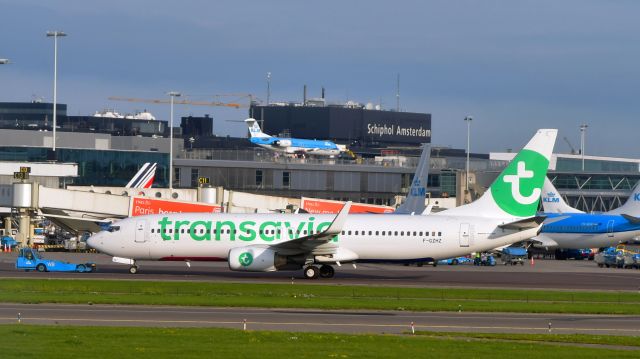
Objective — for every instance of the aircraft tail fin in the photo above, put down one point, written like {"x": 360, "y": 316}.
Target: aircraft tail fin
{"x": 516, "y": 192}
{"x": 414, "y": 203}
{"x": 145, "y": 176}
{"x": 254, "y": 128}
{"x": 632, "y": 205}
{"x": 552, "y": 201}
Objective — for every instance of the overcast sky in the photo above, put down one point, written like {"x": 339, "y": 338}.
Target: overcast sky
{"x": 514, "y": 66}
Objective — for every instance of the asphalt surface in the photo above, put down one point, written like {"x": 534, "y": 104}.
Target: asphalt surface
{"x": 543, "y": 274}
{"x": 316, "y": 321}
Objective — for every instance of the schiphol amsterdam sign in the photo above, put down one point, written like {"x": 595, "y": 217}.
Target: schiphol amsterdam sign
{"x": 375, "y": 129}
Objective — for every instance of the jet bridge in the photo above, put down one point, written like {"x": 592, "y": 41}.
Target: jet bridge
{"x": 83, "y": 211}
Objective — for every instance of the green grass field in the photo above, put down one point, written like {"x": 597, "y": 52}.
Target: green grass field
{"x": 315, "y": 296}
{"x": 543, "y": 338}
{"x": 27, "y": 341}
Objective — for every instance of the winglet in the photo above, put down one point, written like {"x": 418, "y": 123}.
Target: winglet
{"x": 338, "y": 222}
{"x": 631, "y": 219}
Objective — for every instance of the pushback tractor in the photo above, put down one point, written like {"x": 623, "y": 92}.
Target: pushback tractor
{"x": 29, "y": 259}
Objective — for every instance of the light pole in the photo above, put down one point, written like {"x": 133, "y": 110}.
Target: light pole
{"x": 172, "y": 94}
{"x": 55, "y": 35}
{"x": 268, "y": 87}
{"x": 583, "y": 129}
{"x": 468, "y": 120}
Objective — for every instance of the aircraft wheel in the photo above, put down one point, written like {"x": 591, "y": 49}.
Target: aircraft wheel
{"x": 80, "y": 268}
{"x": 454, "y": 262}
{"x": 41, "y": 268}
{"x": 311, "y": 272}
{"x": 327, "y": 271}
{"x": 133, "y": 269}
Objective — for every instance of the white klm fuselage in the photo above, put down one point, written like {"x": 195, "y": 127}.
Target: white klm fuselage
{"x": 368, "y": 237}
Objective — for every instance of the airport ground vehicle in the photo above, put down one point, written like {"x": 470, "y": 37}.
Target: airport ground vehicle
{"x": 618, "y": 257}
{"x": 484, "y": 259}
{"x": 514, "y": 255}
{"x": 7, "y": 242}
{"x": 455, "y": 261}
{"x": 577, "y": 254}
{"x": 30, "y": 259}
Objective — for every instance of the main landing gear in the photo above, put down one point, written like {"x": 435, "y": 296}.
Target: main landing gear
{"x": 133, "y": 269}
{"x": 324, "y": 271}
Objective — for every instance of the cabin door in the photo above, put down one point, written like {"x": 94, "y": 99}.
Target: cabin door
{"x": 610, "y": 228}
{"x": 141, "y": 231}
{"x": 464, "y": 235}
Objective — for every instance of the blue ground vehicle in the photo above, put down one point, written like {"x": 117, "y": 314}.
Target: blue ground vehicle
{"x": 514, "y": 255}
{"x": 29, "y": 259}
{"x": 8, "y": 241}
{"x": 454, "y": 261}
{"x": 484, "y": 259}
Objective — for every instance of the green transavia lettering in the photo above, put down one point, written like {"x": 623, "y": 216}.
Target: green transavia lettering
{"x": 247, "y": 231}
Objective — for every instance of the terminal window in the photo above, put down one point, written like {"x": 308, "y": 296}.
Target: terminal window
{"x": 286, "y": 179}
{"x": 258, "y": 178}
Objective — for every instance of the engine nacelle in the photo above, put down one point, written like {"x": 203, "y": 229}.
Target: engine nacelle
{"x": 341, "y": 255}
{"x": 282, "y": 143}
{"x": 262, "y": 259}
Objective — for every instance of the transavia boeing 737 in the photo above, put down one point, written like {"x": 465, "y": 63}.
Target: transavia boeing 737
{"x": 505, "y": 214}
{"x": 290, "y": 145}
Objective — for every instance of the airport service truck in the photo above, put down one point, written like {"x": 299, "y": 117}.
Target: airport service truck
{"x": 29, "y": 259}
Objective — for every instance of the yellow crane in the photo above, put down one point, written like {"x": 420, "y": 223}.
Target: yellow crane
{"x": 178, "y": 102}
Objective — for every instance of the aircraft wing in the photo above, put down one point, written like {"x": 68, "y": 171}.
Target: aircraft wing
{"x": 543, "y": 241}
{"x": 311, "y": 242}
{"x": 527, "y": 223}
{"x": 631, "y": 219}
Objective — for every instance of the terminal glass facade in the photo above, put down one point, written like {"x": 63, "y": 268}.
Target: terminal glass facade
{"x": 95, "y": 167}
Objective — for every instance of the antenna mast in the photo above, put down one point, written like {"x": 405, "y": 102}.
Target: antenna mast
{"x": 398, "y": 94}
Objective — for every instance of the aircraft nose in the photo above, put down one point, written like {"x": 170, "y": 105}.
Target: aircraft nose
{"x": 95, "y": 241}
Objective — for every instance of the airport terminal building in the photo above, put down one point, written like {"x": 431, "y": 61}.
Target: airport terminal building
{"x": 109, "y": 150}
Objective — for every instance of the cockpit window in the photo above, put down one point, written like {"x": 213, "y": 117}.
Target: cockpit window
{"x": 113, "y": 228}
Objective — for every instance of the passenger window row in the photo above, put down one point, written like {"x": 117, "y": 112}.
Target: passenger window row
{"x": 291, "y": 232}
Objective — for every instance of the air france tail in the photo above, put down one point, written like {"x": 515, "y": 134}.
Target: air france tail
{"x": 414, "y": 203}
{"x": 632, "y": 205}
{"x": 254, "y": 128}
{"x": 516, "y": 192}
{"x": 144, "y": 177}
{"x": 552, "y": 201}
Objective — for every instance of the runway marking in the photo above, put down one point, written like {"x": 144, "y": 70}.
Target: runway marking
{"x": 13, "y": 319}
{"x": 398, "y": 315}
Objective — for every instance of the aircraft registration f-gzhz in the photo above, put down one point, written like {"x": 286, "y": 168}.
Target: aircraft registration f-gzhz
{"x": 291, "y": 145}
{"x": 505, "y": 214}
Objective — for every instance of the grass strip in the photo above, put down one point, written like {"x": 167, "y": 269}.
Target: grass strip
{"x": 629, "y": 341}
{"x": 315, "y": 296}
{"x": 31, "y": 341}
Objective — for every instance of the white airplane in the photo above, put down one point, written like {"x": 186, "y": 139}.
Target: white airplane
{"x": 505, "y": 214}
{"x": 144, "y": 177}
{"x": 291, "y": 145}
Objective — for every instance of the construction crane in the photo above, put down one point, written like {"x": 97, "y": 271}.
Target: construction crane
{"x": 178, "y": 102}
{"x": 573, "y": 150}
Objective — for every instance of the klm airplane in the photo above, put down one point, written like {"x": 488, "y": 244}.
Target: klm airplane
{"x": 291, "y": 145}
{"x": 567, "y": 227}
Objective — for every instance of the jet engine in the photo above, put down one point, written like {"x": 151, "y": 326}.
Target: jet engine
{"x": 282, "y": 143}
{"x": 262, "y": 259}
